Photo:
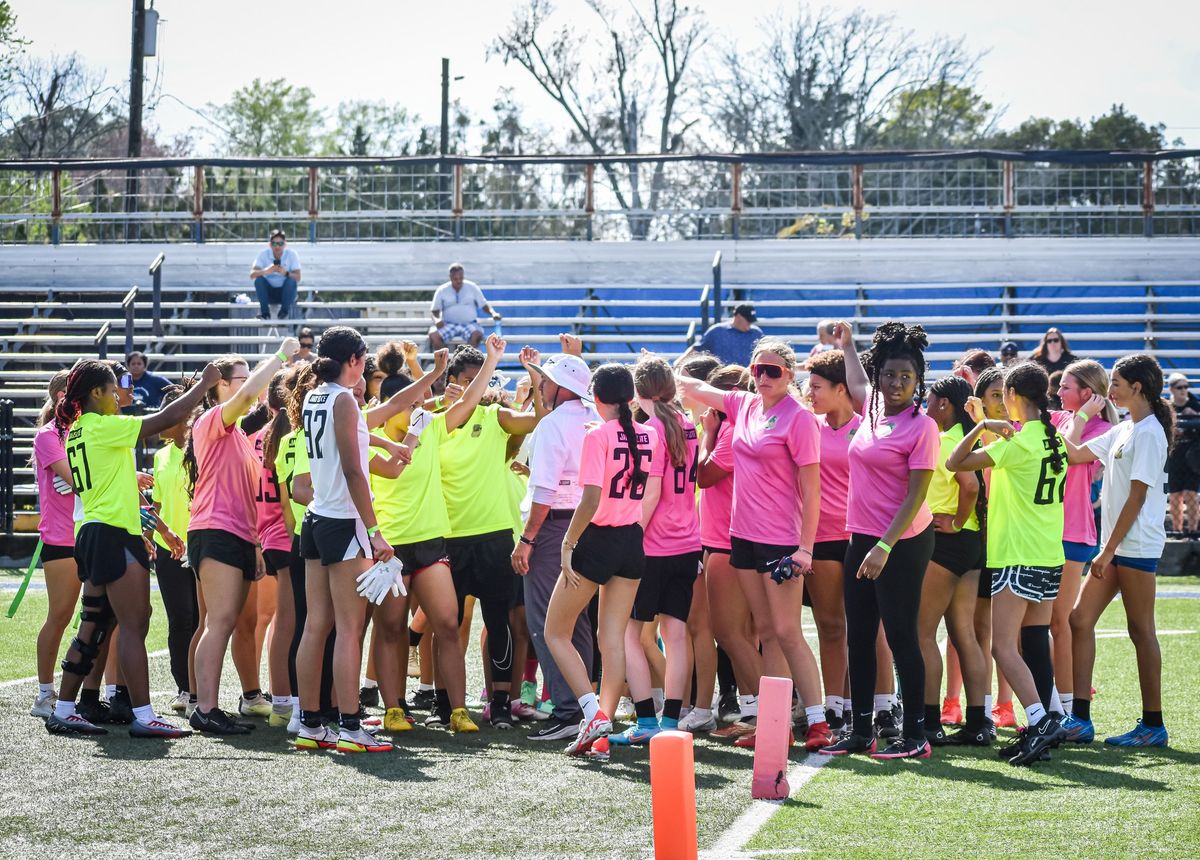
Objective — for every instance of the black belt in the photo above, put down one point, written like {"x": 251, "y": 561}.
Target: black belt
{"x": 560, "y": 514}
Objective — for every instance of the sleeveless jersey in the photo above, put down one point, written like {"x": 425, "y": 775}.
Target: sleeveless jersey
{"x": 331, "y": 496}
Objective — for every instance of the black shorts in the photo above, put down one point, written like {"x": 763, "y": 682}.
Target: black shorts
{"x": 1181, "y": 477}
{"x": 482, "y": 566}
{"x": 666, "y": 587}
{"x": 52, "y": 552}
{"x": 421, "y": 555}
{"x": 103, "y": 552}
{"x": 715, "y": 550}
{"x": 752, "y": 555}
{"x": 1035, "y": 584}
{"x": 831, "y": 550}
{"x": 277, "y": 561}
{"x": 959, "y": 552}
{"x": 333, "y": 540}
{"x": 222, "y": 546}
{"x": 985, "y": 583}
{"x": 607, "y": 551}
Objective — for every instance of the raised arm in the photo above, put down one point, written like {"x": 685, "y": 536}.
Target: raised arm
{"x": 181, "y": 408}
{"x": 235, "y": 407}
{"x": 458, "y": 414}
{"x": 701, "y": 392}
{"x": 409, "y": 396}
{"x": 857, "y": 382}
{"x": 964, "y": 459}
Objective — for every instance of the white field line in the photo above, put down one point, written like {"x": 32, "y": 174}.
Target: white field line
{"x": 33, "y": 679}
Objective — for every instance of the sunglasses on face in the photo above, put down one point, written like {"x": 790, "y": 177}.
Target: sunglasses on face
{"x": 278, "y": 244}
{"x": 771, "y": 371}
{"x": 306, "y": 344}
{"x": 126, "y": 381}
{"x": 1179, "y": 386}
{"x": 1053, "y": 340}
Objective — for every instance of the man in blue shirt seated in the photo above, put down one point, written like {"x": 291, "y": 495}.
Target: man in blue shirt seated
{"x": 276, "y": 276}
{"x": 733, "y": 341}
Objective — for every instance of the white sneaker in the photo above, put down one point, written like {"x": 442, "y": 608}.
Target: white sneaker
{"x": 189, "y": 708}
{"x": 259, "y": 706}
{"x": 293, "y": 726}
{"x": 43, "y": 706}
{"x": 695, "y": 722}
{"x": 625, "y": 711}
{"x": 180, "y": 703}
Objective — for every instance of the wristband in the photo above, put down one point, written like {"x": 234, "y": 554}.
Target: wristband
{"x": 569, "y": 545}
{"x": 1084, "y": 415}
{"x": 526, "y": 541}
{"x": 806, "y": 550}
{"x": 281, "y": 356}
{"x": 372, "y": 531}
{"x": 883, "y": 546}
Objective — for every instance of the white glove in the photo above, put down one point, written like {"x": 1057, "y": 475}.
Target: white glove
{"x": 375, "y": 582}
{"x": 419, "y": 420}
{"x": 62, "y": 487}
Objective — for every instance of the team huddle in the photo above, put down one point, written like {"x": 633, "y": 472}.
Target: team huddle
{"x": 644, "y": 535}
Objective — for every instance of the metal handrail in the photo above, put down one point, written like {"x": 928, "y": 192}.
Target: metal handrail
{"x": 156, "y": 272}
{"x": 127, "y": 304}
{"x": 705, "y": 306}
{"x": 100, "y": 341}
{"x": 7, "y": 468}
{"x": 718, "y": 308}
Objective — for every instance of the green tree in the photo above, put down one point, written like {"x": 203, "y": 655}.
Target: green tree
{"x": 272, "y": 118}
{"x": 372, "y": 128}
{"x": 941, "y": 116}
{"x": 11, "y": 45}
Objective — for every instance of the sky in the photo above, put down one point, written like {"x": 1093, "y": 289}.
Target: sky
{"x": 1057, "y": 58}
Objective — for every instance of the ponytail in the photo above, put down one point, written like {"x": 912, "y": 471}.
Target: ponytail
{"x": 612, "y": 384}
{"x": 338, "y": 345}
{"x": 637, "y": 475}
{"x": 653, "y": 379}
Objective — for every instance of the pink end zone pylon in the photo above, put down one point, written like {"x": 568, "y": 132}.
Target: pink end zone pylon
{"x": 772, "y": 739}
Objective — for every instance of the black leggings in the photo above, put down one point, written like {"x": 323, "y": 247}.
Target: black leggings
{"x": 499, "y": 635}
{"x": 296, "y": 569}
{"x": 895, "y": 599}
{"x": 177, "y": 587}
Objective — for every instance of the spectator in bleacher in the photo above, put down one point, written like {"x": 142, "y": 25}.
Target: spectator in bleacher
{"x": 1053, "y": 353}
{"x": 276, "y": 276}
{"x": 732, "y": 341}
{"x": 308, "y": 341}
{"x": 824, "y": 338}
{"x": 1009, "y": 354}
{"x": 147, "y": 387}
{"x": 972, "y": 363}
{"x": 456, "y": 305}
{"x": 1183, "y": 474}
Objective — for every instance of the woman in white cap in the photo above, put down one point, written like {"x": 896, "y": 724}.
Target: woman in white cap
{"x": 564, "y": 382}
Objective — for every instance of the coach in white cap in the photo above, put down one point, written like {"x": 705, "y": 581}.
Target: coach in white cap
{"x": 565, "y": 384}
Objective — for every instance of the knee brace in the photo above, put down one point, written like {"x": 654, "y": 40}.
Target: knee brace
{"x": 97, "y": 610}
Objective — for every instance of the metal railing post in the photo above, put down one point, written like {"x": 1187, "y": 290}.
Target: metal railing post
{"x": 1148, "y": 199}
{"x": 718, "y": 309}
{"x": 705, "y": 298}
{"x": 1009, "y": 197}
{"x": 856, "y": 198}
{"x": 589, "y": 198}
{"x": 55, "y": 206}
{"x": 156, "y": 273}
{"x": 735, "y": 204}
{"x": 127, "y": 306}
{"x": 198, "y": 205}
{"x": 314, "y": 201}
{"x": 100, "y": 342}
{"x": 7, "y": 467}
{"x": 458, "y": 201}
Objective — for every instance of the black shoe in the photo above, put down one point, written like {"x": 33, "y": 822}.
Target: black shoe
{"x": 501, "y": 716}
{"x": 937, "y": 737}
{"x": 216, "y": 722}
{"x": 989, "y": 726}
{"x": 905, "y": 748}
{"x": 849, "y": 744}
{"x": 368, "y": 697}
{"x": 886, "y": 725}
{"x": 76, "y": 724}
{"x": 437, "y": 720}
{"x": 94, "y": 712}
{"x": 727, "y": 706}
{"x": 968, "y": 738}
{"x": 120, "y": 709}
{"x": 556, "y": 730}
{"x": 837, "y": 724}
{"x": 1037, "y": 740}
{"x": 422, "y": 700}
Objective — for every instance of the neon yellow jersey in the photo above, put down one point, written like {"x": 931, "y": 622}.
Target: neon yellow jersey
{"x": 473, "y": 467}
{"x": 411, "y": 508}
{"x": 170, "y": 491}
{"x": 518, "y": 486}
{"x": 942, "y": 497}
{"x": 100, "y": 456}
{"x": 292, "y": 460}
{"x": 1025, "y": 506}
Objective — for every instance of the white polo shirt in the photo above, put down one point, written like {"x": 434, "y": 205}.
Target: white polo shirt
{"x": 1134, "y": 452}
{"x": 461, "y": 306}
{"x": 266, "y": 259}
{"x": 554, "y": 450}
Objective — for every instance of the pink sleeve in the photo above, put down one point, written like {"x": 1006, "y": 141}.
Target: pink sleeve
{"x": 48, "y": 448}
{"x": 722, "y": 452}
{"x": 804, "y": 439}
{"x": 211, "y": 427}
{"x": 733, "y": 402}
{"x": 658, "y": 465}
{"x": 926, "y": 446}
{"x": 591, "y": 459}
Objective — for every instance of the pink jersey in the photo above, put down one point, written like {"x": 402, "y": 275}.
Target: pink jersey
{"x": 605, "y": 463}
{"x": 881, "y": 458}
{"x": 57, "y": 524}
{"x": 227, "y": 478}
{"x": 768, "y": 446}
{"x": 1079, "y": 521}
{"x": 716, "y": 502}
{"x": 674, "y": 528}
{"x": 272, "y": 530}
{"x": 835, "y": 478}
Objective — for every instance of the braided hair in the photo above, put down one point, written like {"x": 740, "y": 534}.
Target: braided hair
{"x": 1030, "y": 381}
{"x": 1144, "y": 369}
{"x": 612, "y": 384}
{"x": 654, "y": 381}
{"x": 87, "y": 375}
{"x": 897, "y": 340}
{"x": 955, "y": 390}
{"x": 278, "y": 393}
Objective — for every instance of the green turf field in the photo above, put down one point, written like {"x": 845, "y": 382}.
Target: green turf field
{"x": 500, "y": 795}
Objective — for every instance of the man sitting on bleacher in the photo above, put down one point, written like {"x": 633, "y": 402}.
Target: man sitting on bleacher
{"x": 276, "y": 276}
{"x": 456, "y": 305}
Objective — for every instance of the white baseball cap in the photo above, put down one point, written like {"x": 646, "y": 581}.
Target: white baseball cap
{"x": 567, "y": 371}
{"x": 1176, "y": 377}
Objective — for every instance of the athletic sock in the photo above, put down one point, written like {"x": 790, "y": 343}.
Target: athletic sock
{"x": 1056, "y": 704}
{"x": 704, "y": 714}
{"x": 295, "y": 707}
{"x": 311, "y": 719}
{"x": 644, "y": 708}
{"x": 64, "y": 708}
{"x": 349, "y": 722}
{"x": 671, "y": 709}
{"x": 890, "y": 700}
{"x": 414, "y": 638}
{"x": 121, "y": 692}
{"x": 441, "y": 699}
{"x": 281, "y": 701}
{"x": 987, "y": 705}
{"x": 91, "y": 696}
{"x": 975, "y": 718}
{"x": 933, "y": 717}
{"x": 1034, "y": 713}
{"x": 370, "y": 684}
{"x": 500, "y": 698}
{"x": 1081, "y": 709}
{"x": 251, "y": 694}
{"x": 144, "y": 713}
{"x": 531, "y": 665}
{"x": 748, "y": 705}
{"x": 881, "y": 703}
{"x": 110, "y": 690}
{"x": 659, "y": 697}
{"x": 1067, "y": 699}
{"x": 590, "y": 706}
{"x": 1035, "y": 651}
{"x": 835, "y": 704}
{"x": 1153, "y": 719}
{"x": 45, "y": 690}
{"x": 814, "y": 714}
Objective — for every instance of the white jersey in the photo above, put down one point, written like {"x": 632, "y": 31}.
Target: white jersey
{"x": 331, "y": 495}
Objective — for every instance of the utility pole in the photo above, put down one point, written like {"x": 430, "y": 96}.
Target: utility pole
{"x": 444, "y": 141}
{"x": 136, "y": 63}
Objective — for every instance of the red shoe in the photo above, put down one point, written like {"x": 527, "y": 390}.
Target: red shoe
{"x": 1003, "y": 716}
{"x": 746, "y": 742}
{"x": 589, "y": 732}
{"x": 952, "y": 713}
{"x": 735, "y": 730}
{"x": 818, "y": 736}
